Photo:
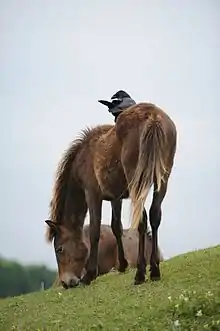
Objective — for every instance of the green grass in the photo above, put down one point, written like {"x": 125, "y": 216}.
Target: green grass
{"x": 187, "y": 298}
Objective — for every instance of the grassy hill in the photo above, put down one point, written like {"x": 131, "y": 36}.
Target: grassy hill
{"x": 187, "y": 298}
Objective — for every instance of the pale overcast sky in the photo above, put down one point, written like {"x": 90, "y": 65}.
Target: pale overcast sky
{"x": 58, "y": 58}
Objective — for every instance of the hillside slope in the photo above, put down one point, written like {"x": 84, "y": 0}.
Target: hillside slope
{"x": 187, "y": 298}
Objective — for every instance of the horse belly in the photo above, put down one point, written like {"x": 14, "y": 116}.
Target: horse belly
{"x": 111, "y": 179}
{"x": 113, "y": 183}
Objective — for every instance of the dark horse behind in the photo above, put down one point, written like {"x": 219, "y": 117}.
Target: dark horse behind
{"x": 112, "y": 163}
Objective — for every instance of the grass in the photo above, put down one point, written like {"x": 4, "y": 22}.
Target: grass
{"x": 187, "y": 298}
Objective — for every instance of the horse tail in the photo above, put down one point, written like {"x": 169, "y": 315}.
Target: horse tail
{"x": 150, "y": 166}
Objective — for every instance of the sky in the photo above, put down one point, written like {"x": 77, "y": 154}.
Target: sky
{"x": 58, "y": 58}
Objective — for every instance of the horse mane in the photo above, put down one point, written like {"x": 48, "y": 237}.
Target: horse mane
{"x": 57, "y": 204}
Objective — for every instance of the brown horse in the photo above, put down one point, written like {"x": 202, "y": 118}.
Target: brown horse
{"x": 112, "y": 163}
{"x": 108, "y": 253}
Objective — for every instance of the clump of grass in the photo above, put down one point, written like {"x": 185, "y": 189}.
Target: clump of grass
{"x": 193, "y": 311}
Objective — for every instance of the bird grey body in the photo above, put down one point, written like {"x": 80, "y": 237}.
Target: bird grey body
{"x": 124, "y": 104}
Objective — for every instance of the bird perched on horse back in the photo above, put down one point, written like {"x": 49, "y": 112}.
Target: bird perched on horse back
{"x": 121, "y": 100}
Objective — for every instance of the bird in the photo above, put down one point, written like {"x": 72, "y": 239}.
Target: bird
{"x": 121, "y": 100}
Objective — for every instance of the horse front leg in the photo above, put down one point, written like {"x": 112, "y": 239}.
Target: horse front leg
{"x": 95, "y": 212}
{"x": 117, "y": 230}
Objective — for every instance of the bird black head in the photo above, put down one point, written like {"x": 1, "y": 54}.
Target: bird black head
{"x": 120, "y": 95}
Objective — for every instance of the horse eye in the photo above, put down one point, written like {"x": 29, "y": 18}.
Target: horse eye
{"x": 59, "y": 250}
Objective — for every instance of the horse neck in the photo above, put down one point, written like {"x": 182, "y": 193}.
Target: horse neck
{"x": 75, "y": 209}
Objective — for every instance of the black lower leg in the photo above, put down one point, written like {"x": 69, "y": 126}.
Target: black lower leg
{"x": 154, "y": 260}
{"x": 155, "y": 219}
{"x": 141, "y": 262}
{"x": 117, "y": 230}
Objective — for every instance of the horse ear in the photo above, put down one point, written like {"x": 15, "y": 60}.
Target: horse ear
{"x": 52, "y": 225}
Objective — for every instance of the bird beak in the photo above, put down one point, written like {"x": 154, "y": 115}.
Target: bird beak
{"x": 114, "y": 97}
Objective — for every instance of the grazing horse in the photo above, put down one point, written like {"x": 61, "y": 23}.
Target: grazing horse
{"x": 112, "y": 163}
{"x": 108, "y": 253}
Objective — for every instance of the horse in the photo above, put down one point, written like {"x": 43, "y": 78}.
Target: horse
{"x": 108, "y": 253}
{"x": 112, "y": 163}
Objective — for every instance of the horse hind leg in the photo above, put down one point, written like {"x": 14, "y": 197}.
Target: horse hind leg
{"x": 155, "y": 220}
{"x": 117, "y": 230}
{"x": 141, "y": 261}
{"x": 95, "y": 210}
{"x": 128, "y": 161}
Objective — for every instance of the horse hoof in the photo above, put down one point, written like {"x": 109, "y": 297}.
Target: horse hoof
{"x": 155, "y": 275}
{"x": 123, "y": 266}
{"x": 85, "y": 280}
{"x": 139, "y": 281}
{"x": 154, "y": 278}
{"x": 88, "y": 277}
